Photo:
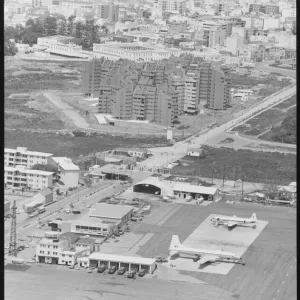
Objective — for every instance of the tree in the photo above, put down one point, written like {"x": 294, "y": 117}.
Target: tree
{"x": 271, "y": 191}
{"x": 87, "y": 181}
{"x": 61, "y": 28}
{"x": 10, "y": 48}
{"x": 50, "y": 26}
{"x": 70, "y": 26}
{"x": 29, "y": 22}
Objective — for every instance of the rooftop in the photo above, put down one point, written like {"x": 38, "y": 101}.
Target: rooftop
{"x": 46, "y": 192}
{"x": 86, "y": 241}
{"x": 22, "y": 169}
{"x": 198, "y": 189}
{"x": 113, "y": 169}
{"x": 122, "y": 258}
{"x": 110, "y": 211}
{"x": 23, "y": 150}
{"x": 66, "y": 163}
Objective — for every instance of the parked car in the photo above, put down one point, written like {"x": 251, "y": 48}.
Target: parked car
{"x": 127, "y": 229}
{"x": 160, "y": 259}
{"x": 112, "y": 270}
{"x": 101, "y": 269}
{"x": 121, "y": 271}
{"x": 131, "y": 274}
{"x": 116, "y": 234}
{"x": 134, "y": 219}
{"x": 59, "y": 219}
{"x": 68, "y": 210}
{"x": 72, "y": 267}
{"x": 121, "y": 232}
{"x": 141, "y": 273}
{"x": 90, "y": 271}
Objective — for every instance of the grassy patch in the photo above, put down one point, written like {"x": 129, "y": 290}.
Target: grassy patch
{"x": 267, "y": 119}
{"x": 73, "y": 147}
{"x": 254, "y": 166}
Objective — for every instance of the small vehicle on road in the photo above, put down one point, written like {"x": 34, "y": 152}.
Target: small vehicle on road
{"x": 68, "y": 210}
{"x": 90, "y": 271}
{"x": 101, "y": 269}
{"x": 121, "y": 232}
{"x": 121, "y": 271}
{"x": 134, "y": 219}
{"x": 160, "y": 259}
{"x": 72, "y": 267}
{"x": 112, "y": 270}
{"x": 141, "y": 273}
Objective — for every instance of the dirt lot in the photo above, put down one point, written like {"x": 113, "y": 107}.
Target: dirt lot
{"x": 271, "y": 117}
{"x": 255, "y": 166}
{"x": 34, "y": 78}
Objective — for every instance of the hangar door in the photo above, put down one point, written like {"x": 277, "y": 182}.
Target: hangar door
{"x": 147, "y": 189}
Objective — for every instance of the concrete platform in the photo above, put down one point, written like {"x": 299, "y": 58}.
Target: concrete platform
{"x": 128, "y": 244}
{"x": 207, "y": 236}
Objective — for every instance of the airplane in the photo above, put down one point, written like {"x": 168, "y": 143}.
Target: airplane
{"x": 203, "y": 255}
{"x": 233, "y": 221}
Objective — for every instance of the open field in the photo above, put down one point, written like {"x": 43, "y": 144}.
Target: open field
{"x": 73, "y": 147}
{"x": 270, "y": 270}
{"x": 267, "y": 119}
{"x": 254, "y": 166}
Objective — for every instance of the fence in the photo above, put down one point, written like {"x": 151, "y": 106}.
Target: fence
{"x": 229, "y": 176}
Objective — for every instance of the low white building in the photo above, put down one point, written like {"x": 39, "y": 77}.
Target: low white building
{"x": 19, "y": 177}
{"x": 194, "y": 152}
{"x": 68, "y": 172}
{"x": 133, "y": 51}
{"x": 128, "y": 262}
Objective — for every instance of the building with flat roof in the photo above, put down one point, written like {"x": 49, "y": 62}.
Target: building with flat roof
{"x": 118, "y": 214}
{"x": 68, "y": 172}
{"x": 114, "y": 172}
{"x": 19, "y": 177}
{"x": 21, "y": 156}
{"x": 133, "y": 51}
{"x": 130, "y": 263}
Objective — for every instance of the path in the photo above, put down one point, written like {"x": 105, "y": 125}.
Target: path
{"x": 68, "y": 111}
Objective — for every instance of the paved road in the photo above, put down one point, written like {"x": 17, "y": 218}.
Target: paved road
{"x": 162, "y": 156}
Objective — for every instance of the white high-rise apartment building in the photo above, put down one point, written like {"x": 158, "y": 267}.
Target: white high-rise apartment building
{"x": 22, "y": 157}
{"x": 191, "y": 92}
{"x": 171, "y": 5}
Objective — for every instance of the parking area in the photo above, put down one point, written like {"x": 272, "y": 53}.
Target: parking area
{"x": 209, "y": 237}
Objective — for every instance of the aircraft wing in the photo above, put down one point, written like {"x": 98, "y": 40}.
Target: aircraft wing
{"x": 208, "y": 258}
{"x": 231, "y": 224}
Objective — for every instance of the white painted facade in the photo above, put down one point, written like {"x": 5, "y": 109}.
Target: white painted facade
{"x": 21, "y": 156}
{"x": 18, "y": 177}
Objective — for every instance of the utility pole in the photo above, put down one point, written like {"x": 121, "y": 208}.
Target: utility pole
{"x": 242, "y": 187}
{"x": 13, "y": 232}
{"x": 223, "y": 174}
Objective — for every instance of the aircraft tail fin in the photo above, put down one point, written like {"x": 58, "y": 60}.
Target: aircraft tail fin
{"x": 254, "y": 216}
{"x": 175, "y": 242}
